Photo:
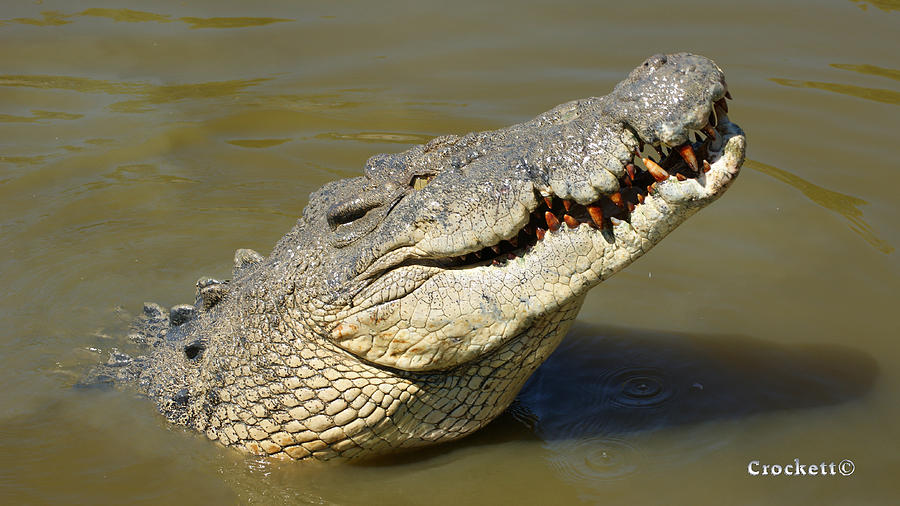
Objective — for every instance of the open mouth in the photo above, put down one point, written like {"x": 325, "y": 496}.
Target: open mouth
{"x": 650, "y": 165}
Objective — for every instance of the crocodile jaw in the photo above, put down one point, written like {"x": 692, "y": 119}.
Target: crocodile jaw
{"x": 492, "y": 303}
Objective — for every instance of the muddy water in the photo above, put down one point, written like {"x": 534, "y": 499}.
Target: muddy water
{"x": 142, "y": 142}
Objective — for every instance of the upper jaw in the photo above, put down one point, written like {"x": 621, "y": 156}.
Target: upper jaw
{"x": 667, "y": 96}
{"x": 718, "y": 158}
{"x": 427, "y": 237}
{"x": 622, "y": 232}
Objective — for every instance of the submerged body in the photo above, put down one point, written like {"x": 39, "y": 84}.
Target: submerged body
{"x": 408, "y": 306}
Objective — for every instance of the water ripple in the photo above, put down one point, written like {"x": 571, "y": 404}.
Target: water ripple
{"x": 56, "y": 18}
{"x": 595, "y": 458}
{"x": 640, "y": 388}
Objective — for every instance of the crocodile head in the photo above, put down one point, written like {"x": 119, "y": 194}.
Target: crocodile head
{"x": 409, "y": 305}
{"x": 442, "y": 254}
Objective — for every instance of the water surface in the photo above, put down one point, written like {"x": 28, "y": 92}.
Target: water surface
{"x": 141, "y": 143}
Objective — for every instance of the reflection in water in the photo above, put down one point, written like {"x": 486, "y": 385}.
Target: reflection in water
{"x": 155, "y": 95}
{"x": 130, "y": 175}
{"x": 82, "y": 84}
{"x": 257, "y": 143}
{"x": 126, "y": 15}
{"x": 150, "y": 94}
{"x": 401, "y": 138}
{"x": 55, "y": 18}
{"x": 231, "y": 22}
{"x": 869, "y": 69}
{"x": 845, "y": 205}
{"x": 309, "y": 102}
{"x": 144, "y": 173}
{"x": 23, "y": 160}
{"x": 49, "y": 18}
{"x": 885, "y": 5}
{"x": 583, "y": 388}
{"x": 600, "y": 392}
{"x": 874, "y": 94}
{"x": 37, "y": 115}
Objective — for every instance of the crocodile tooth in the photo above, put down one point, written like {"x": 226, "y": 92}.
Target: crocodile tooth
{"x": 528, "y": 229}
{"x": 567, "y": 204}
{"x": 514, "y": 242}
{"x": 679, "y": 176}
{"x": 629, "y": 168}
{"x": 510, "y": 256}
{"x": 628, "y": 181}
{"x": 630, "y": 207}
{"x": 616, "y": 199}
{"x": 477, "y": 254}
{"x": 570, "y": 221}
{"x": 496, "y": 248}
{"x": 656, "y": 171}
{"x": 552, "y": 221}
{"x": 549, "y": 201}
{"x": 495, "y": 262}
{"x": 706, "y": 167}
{"x": 687, "y": 153}
{"x": 596, "y": 215}
{"x": 615, "y": 221}
{"x": 640, "y": 197}
{"x": 710, "y": 131}
{"x": 539, "y": 232}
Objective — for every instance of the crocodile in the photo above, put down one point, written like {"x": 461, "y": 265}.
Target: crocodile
{"x": 409, "y": 305}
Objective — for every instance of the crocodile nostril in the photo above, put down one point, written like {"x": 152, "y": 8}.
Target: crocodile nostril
{"x": 194, "y": 350}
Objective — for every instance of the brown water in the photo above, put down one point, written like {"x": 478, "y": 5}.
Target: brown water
{"x": 142, "y": 142}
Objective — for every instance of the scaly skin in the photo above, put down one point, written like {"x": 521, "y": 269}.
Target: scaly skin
{"x": 408, "y": 306}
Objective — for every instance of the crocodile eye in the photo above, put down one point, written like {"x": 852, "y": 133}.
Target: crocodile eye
{"x": 420, "y": 181}
{"x": 345, "y": 213}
